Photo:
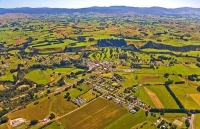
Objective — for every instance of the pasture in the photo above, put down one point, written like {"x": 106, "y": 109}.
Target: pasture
{"x": 3, "y": 126}
{"x": 164, "y": 96}
{"x": 98, "y": 114}
{"x": 154, "y": 98}
{"x": 61, "y": 106}
{"x": 183, "y": 93}
{"x": 46, "y": 76}
{"x": 129, "y": 121}
{"x": 31, "y": 112}
{"x": 75, "y": 92}
{"x": 144, "y": 97}
{"x": 196, "y": 121}
{"x": 89, "y": 95}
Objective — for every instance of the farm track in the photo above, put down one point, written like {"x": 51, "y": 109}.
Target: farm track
{"x": 154, "y": 98}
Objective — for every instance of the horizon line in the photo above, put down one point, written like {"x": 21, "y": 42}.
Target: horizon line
{"x": 104, "y": 6}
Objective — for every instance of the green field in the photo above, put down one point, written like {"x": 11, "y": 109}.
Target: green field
{"x": 43, "y": 76}
{"x": 144, "y": 97}
{"x": 89, "y": 95}
{"x": 164, "y": 96}
{"x": 174, "y": 116}
{"x": 55, "y": 104}
{"x": 98, "y": 114}
{"x": 3, "y": 126}
{"x": 155, "y": 50}
{"x": 38, "y": 112}
{"x": 61, "y": 106}
{"x": 75, "y": 92}
{"x": 196, "y": 121}
{"x": 53, "y": 125}
{"x": 129, "y": 120}
{"x": 183, "y": 93}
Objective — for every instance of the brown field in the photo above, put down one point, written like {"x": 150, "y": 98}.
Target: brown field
{"x": 154, "y": 98}
{"x": 145, "y": 78}
{"x": 196, "y": 98}
{"x": 20, "y": 41}
{"x": 159, "y": 62}
{"x": 96, "y": 115}
{"x": 178, "y": 123}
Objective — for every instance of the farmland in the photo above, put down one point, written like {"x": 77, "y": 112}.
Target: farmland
{"x": 97, "y": 114}
{"x": 99, "y": 70}
{"x": 128, "y": 121}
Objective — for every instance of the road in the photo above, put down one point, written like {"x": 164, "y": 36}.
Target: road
{"x": 192, "y": 121}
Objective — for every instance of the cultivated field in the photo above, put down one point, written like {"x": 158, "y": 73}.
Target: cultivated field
{"x": 163, "y": 95}
{"x": 98, "y": 114}
{"x": 154, "y": 98}
{"x": 183, "y": 92}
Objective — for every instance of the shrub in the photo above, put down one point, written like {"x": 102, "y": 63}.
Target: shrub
{"x": 33, "y": 122}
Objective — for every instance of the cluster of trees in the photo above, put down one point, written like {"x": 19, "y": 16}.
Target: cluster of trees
{"x": 67, "y": 96}
{"x": 198, "y": 88}
{"x": 111, "y": 43}
{"x": 187, "y": 123}
{"x": 198, "y": 59}
{"x": 33, "y": 122}
{"x": 133, "y": 65}
{"x": 119, "y": 77}
{"x": 61, "y": 82}
{"x": 151, "y": 44}
{"x": 193, "y": 77}
{"x": 3, "y": 119}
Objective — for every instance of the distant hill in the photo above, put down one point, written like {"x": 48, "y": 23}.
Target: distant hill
{"x": 112, "y": 9}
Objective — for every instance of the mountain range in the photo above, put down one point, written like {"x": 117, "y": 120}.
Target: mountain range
{"x": 111, "y": 9}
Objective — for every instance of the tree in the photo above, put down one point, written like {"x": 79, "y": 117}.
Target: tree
{"x": 166, "y": 75}
{"x": 90, "y": 39}
{"x": 3, "y": 119}
{"x": 31, "y": 94}
{"x": 198, "y": 88}
{"x": 61, "y": 82}
{"x": 187, "y": 123}
{"x": 81, "y": 38}
{"x": 146, "y": 113}
{"x": 33, "y": 122}
{"x": 67, "y": 96}
{"x": 52, "y": 116}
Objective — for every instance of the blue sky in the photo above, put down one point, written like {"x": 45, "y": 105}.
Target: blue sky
{"x": 89, "y": 3}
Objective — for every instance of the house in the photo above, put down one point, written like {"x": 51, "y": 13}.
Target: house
{"x": 133, "y": 111}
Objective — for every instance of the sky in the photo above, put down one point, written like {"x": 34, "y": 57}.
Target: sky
{"x": 90, "y": 3}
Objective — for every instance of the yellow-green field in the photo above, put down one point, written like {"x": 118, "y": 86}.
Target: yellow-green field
{"x": 132, "y": 121}
{"x": 183, "y": 93}
{"x": 164, "y": 96}
{"x": 96, "y": 115}
{"x": 55, "y": 104}
{"x": 61, "y": 106}
{"x": 197, "y": 121}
